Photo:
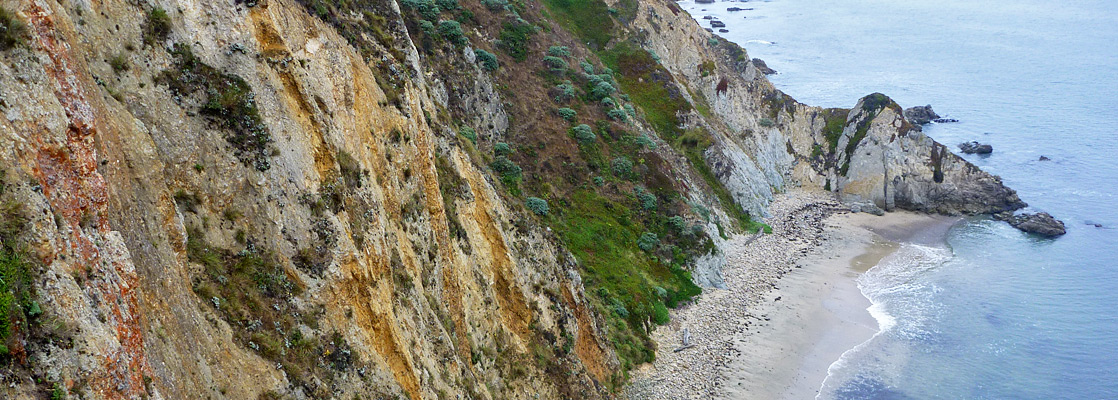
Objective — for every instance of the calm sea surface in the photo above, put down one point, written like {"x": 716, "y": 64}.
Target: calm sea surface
{"x": 997, "y": 314}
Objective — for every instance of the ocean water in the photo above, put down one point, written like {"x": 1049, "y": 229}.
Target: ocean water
{"x": 995, "y": 314}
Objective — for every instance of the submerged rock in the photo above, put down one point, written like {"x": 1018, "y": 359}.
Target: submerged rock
{"x": 761, "y": 66}
{"x": 733, "y": 9}
{"x": 1040, "y": 223}
{"x": 920, "y": 115}
{"x": 717, "y": 24}
{"x": 975, "y": 148}
{"x": 944, "y": 120}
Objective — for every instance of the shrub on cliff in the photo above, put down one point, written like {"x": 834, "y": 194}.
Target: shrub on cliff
{"x": 12, "y": 30}
{"x": 452, "y": 31}
{"x": 601, "y": 90}
{"x": 677, "y": 223}
{"x": 555, "y": 64}
{"x": 510, "y": 172}
{"x": 559, "y": 51}
{"x": 583, "y": 133}
{"x": 158, "y": 26}
{"x": 514, "y": 39}
{"x": 468, "y": 133}
{"x": 448, "y": 5}
{"x": 567, "y": 114}
{"x": 427, "y": 27}
{"x": 425, "y": 8}
{"x": 488, "y": 60}
{"x": 502, "y": 149}
{"x": 586, "y": 67}
{"x": 564, "y": 92}
{"x": 495, "y": 5}
{"x": 622, "y": 167}
{"x": 537, "y": 205}
{"x": 618, "y": 114}
{"x": 648, "y": 241}
{"x": 647, "y": 200}
{"x": 645, "y": 141}
{"x": 660, "y": 313}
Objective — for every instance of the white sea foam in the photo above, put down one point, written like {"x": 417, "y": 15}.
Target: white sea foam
{"x": 900, "y": 302}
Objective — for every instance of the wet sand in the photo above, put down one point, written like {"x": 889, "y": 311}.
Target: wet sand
{"x": 822, "y": 313}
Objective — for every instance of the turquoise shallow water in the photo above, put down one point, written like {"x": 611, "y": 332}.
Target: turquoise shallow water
{"x": 997, "y": 313}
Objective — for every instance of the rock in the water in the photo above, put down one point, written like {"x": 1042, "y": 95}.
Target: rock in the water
{"x": 944, "y": 120}
{"x": 732, "y": 9}
{"x": 920, "y": 115}
{"x": 707, "y": 17}
{"x": 704, "y": 1}
{"x": 976, "y": 148}
{"x": 717, "y": 24}
{"x": 761, "y": 66}
{"x": 1043, "y": 158}
{"x": 1040, "y": 223}
{"x": 723, "y": 30}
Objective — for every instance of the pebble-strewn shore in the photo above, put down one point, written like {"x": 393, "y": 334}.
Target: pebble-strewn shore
{"x": 754, "y": 266}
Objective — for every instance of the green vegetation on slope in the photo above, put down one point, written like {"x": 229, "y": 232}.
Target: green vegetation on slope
{"x": 229, "y": 101}
{"x": 589, "y": 19}
{"x": 629, "y": 284}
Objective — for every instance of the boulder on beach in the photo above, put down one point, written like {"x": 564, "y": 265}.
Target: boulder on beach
{"x": 975, "y": 148}
{"x": 761, "y": 66}
{"x": 868, "y": 208}
{"x": 1040, "y": 223}
{"x": 920, "y": 115}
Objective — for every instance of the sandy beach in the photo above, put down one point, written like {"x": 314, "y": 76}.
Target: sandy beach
{"x": 790, "y": 308}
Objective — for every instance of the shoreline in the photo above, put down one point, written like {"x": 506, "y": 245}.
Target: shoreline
{"x": 791, "y": 306}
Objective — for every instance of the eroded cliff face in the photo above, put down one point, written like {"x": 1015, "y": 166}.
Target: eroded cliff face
{"x": 142, "y": 217}
{"x": 245, "y": 200}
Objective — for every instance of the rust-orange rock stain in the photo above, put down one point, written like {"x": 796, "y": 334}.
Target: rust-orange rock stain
{"x": 586, "y": 345}
{"x": 68, "y": 175}
{"x": 360, "y": 289}
{"x": 514, "y": 308}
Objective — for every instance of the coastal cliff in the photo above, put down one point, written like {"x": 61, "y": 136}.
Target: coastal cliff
{"x": 415, "y": 199}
